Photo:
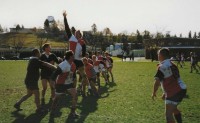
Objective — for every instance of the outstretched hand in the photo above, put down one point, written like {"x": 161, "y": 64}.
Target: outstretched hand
{"x": 64, "y": 13}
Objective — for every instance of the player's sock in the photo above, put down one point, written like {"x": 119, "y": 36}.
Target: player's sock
{"x": 178, "y": 117}
{"x": 42, "y": 101}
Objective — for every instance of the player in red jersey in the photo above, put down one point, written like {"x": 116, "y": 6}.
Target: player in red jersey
{"x": 91, "y": 75}
{"x": 78, "y": 46}
{"x": 65, "y": 82}
{"x": 173, "y": 87}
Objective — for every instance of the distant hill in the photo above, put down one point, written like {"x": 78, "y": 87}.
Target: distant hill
{"x": 30, "y": 40}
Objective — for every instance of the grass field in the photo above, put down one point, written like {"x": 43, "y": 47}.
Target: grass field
{"x": 128, "y": 100}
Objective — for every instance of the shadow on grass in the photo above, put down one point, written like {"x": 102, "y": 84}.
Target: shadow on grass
{"x": 104, "y": 91}
{"x": 86, "y": 106}
{"x": 33, "y": 118}
{"x": 89, "y": 104}
{"x": 64, "y": 101}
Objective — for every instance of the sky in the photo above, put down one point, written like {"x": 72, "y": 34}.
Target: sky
{"x": 174, "y": 16}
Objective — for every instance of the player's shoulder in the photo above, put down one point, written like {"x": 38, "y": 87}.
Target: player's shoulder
{"x": 42, "y": 55}
{"x": 52, "y": 54}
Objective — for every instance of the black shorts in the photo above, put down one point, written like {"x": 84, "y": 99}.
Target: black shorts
{"x": 62, "y": 88}
{"x": 93, "y": 79}
{"x": 46, "y": 74}
{"x": 78, "y": 63}
{"x": 179, "y": 96}
{"x": 98, "y": 74}
{"x": 32, "y": 86}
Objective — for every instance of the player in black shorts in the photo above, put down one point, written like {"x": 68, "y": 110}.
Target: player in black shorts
{"x": 51, "y": 58}
{"x": 31, "y": 80}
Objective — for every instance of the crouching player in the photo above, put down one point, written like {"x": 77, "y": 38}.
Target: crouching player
{"x": 109, "y": 65}
{"x": 91, "y": 75}
{"x": 65, "y": 82}
{"x": 96, "y": 68}
{"x": 104, "y": 70}
{"x": 174, "y": 89}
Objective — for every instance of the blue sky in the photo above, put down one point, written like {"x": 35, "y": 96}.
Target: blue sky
{"x": 176, "y": 16}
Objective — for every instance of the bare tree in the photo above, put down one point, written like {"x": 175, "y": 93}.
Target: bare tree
{"x": 94, "y": 28}
{"x": 107, "y": 31}
{"x": 60, "y": 25}
{"x": 18, "y": 42}
{"x": 1, "y": 29}
{"x": 41, "y": 39}
{"x": 17, "y": 27}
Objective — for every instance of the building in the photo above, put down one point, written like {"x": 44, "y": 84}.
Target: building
{"x": 176, "y": 45}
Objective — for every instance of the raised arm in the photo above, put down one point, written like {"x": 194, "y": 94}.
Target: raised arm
{"x": 67, "y": 29}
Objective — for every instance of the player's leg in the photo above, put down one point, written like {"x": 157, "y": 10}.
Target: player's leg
{"x": 179, "y": 98}
{"x": 55, "y": 101}
{"x": 85, "y": 81}
{"x": 24, "y": 98}
{"x": 92, "y": 83}
{"x": 105, "y": 76}
{"x": 177, "y": 115}
{"x": 39, "y": 109}
{"x": 110, "y": 71}
{"x": 169, "y": 110}
{"x": 44, "y": 88}
{"x": 74, "y": 80}
{"x": 73, "y": 93}
{"x": 60, "y": 89}
{"x": 191, "y": 68}
{"x": 52, "y": 86}
{"x": 98, "y": 79}
{"x": 37, "y": 98}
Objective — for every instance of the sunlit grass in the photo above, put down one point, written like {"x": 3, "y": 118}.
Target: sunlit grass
{"x": 126, "y": 101}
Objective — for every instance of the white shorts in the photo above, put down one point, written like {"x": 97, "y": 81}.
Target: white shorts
{"x": 171, "y": 102}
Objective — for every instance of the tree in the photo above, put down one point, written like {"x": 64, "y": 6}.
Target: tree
{"x": 139, "y": 37}
{"x": 1, "y": 29}
{"x": 5, "y": 29}
{"x": 181, "y": 35}
{"x": 107, "y": 31}
{"x": 146, "y": 35}
{"x": 199, "y": 35}
{"x": 60, "y": 25}
{"x": 18, "y": 42}
{"x": 46, "y": 25}
{"x": 106, "y": 41}
{"x": 195, "y": 35}
{"x": 94, "y": 28}
{"x": 41, "y": 39}
{"x": 168, "y": 34}
{"x": 190, "y": 35}
{"x": 51, "y": 27}
{"x": 22, "y": 26}
{"x": 159, "y": 35}
{"x": 54, "y": 28}
{"x": 18, "y": 28}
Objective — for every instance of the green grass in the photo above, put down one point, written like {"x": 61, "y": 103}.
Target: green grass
{"x": 127, "y": 101}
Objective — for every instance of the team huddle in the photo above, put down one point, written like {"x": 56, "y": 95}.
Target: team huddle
{"x": 61, "y": 73}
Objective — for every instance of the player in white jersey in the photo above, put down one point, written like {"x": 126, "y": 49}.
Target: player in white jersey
{"x": 65, "y": 80}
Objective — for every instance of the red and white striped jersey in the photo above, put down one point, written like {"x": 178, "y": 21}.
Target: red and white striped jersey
{"x": 169, "y": 77}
